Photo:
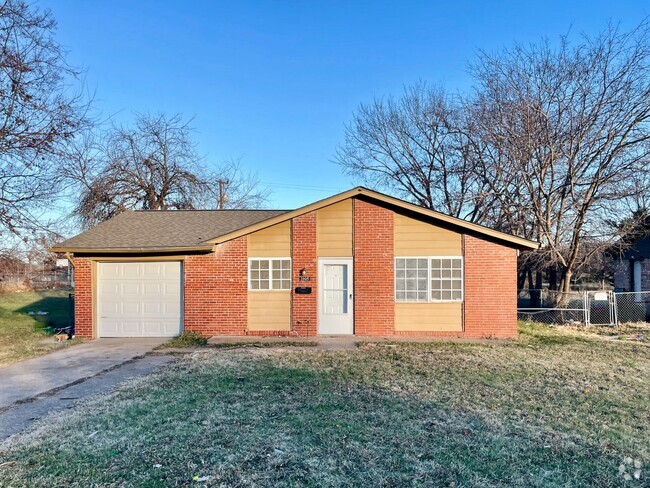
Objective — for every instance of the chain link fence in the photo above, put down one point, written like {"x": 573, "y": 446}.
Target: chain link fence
{"x": 633, "y": 307}
{"x": 552, "y": 307}
{"x": 35, "y": 281}
{"x": 583, "y": 308}
{"x": 601, "y": 308}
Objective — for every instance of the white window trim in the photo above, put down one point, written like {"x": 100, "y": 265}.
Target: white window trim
{"x": 429, "y": 290}
{"x": 428, "y": 300}
{"x": 275, "y": 290}
{"x": 462, "y": 280}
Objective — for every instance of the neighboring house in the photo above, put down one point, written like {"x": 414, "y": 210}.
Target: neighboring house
{"x": 632, "y": 267}
{"x": 359, "y": 262}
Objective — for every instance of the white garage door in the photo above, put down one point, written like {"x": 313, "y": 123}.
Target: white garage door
{"x": 139, "y": 299}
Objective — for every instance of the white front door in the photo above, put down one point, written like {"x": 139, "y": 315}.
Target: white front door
{"x": 335, "y": 310}
{"x": 139, "y": 299}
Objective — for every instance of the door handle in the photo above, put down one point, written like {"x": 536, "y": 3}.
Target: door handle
{"x": 350, "y": 296}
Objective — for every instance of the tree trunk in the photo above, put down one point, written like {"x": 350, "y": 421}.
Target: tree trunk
{"x": 536, "y": 293}
{"x": 566, "y": 281}
{"x": 521, "y": 278}
{"x": 552, "y": 278}
{"x": 539, "y": 279}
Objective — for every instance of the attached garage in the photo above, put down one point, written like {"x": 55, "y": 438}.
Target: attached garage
{"x": 359, "y": 262}
{"x": 139, "y": 299}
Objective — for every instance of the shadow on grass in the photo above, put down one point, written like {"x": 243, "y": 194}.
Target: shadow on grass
{"x": 58, "y": 308}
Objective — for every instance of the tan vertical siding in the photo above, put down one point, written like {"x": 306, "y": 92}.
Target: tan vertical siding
{"x": 416, "y": 238}
{"x": 269, "y": 310}
{"x": 334, "y": 230}
{"x": 272, "y": 242}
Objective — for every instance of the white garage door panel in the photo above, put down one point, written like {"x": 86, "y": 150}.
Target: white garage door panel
{"x": 139, "y": 299}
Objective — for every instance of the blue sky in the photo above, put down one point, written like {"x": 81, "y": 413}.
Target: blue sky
{"x": 274, "y": 83}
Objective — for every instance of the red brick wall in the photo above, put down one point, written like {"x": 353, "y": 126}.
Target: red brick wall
{"x": 374, "y": 303}
{"x": 83, "y": 298}
{"x": 304, "y": 308}
{"x": 216, "y": 290}
{"x": 490, "y": 289}
{"x": 216, "y": 295}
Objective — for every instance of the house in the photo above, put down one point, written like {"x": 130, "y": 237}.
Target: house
{"x": 359, "y": 262}
{"x": 632, "y": 266}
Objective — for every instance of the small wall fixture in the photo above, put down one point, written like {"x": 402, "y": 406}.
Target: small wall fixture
{"x": 303, "y": 272}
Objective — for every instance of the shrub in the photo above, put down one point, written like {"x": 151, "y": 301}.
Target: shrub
{"x": 188, "y": 338}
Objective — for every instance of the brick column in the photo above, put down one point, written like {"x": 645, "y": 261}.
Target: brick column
{"x": 304, "y": 308}
{"x": 374, "y": 304}
{"x": 490, "y": 289}
{"x": 216, "y": 290}
{"x": 83, "y": 297}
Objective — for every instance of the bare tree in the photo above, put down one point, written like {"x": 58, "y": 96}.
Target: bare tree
{"x": 414, "y": 146}
{"x": 237, "y": 188}
{"x": 152, "y": 166}
{"x": 39, "y": 112}
{"x": 566, "y": 131}
{"x": 550, "y": 145}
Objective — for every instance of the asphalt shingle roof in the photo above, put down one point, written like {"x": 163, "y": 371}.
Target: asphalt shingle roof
{"x": 152, "y": 230}
{"x": 171, "y": 231}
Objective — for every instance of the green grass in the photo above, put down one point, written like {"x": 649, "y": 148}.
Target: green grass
{"x": 552, "y": 408}
{"x": 22, "y": 335}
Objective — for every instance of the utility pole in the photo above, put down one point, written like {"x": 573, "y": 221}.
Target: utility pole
{"x": 222, "y": 193}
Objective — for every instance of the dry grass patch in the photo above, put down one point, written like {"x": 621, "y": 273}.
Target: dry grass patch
{"x": 551, "y": 409}
{"x": 192, "y": 340}
{"x": 262, "y": 344}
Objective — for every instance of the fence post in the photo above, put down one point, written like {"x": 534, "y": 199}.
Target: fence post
{"x": 586, "y": 305}
{"x": 614, "y": 309}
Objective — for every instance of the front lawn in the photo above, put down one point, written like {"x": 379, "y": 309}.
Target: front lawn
{"x": 551, "y": 409}
{"x": 23, "y": 335}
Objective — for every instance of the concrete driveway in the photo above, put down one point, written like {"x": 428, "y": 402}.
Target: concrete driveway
{"x": 29, "y": 379}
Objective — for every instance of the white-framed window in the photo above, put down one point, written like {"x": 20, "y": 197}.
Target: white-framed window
{"x": 429, "y": 279}
{"x": 269, "y": 274}
{"x": 446, "y": 278}
{"x": 411, "y": 279}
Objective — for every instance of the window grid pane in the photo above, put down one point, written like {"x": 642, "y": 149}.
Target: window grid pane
{"x": 281, "y": 274}
{"x": 411, "y": 279}
{"x": 446, "y": 279}
{"x": 270, "y": 274}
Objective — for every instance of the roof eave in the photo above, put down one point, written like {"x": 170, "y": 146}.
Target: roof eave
{"x": 130, "y": 250}
{"x": 513, "y": 241}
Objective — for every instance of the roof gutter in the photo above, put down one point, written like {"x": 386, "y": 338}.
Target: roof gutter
{"x": 124, "y": 250}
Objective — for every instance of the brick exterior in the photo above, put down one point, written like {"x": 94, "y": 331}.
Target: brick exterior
{"x": 215, "y": 294}
{"x": 304, "y": 320}
{"x": 374, "y": 258}
{"x": 623, "y": 275}
{"x": 490, "y": 289}
{"x": 83, "y": 297}
{"x": 216, "y": 290}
